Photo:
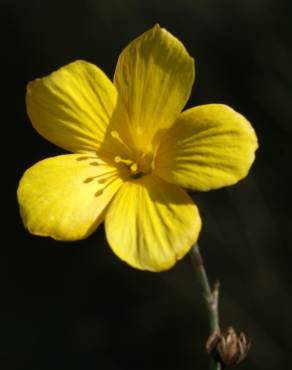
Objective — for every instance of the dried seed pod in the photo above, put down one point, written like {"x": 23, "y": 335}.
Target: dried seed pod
{"x": 228, "y": 348}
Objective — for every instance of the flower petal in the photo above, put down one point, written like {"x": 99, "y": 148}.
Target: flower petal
{"x": 151, "y": 224}
{"x": 208, "y": 147}
{"x": 154, "y": 77}
{"x": 64, "y": 197}
{"x": 73, "y": 106}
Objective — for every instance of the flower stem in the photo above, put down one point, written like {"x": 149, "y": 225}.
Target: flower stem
{"x": 210, "y": 296}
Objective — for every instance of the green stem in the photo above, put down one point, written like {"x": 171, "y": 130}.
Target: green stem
{"x": 210, "y": 296}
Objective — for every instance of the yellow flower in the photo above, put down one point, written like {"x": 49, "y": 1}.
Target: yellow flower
{"x": 134, "y": 152}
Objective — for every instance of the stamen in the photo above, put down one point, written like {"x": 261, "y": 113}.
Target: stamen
{"x": 140, "y": 165}
{"x": 115, "y": 135}
{"x": 127, "y": 162}
{"x": 133, "y": 166}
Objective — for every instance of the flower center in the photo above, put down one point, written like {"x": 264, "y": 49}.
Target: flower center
{"x": 139, "y": 167}
{"x": 138, "y": 163}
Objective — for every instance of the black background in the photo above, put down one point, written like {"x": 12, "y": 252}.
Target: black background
{"x": 76, "y": 306}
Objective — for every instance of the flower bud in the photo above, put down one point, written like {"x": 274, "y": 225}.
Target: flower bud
{"x": 228, "y": 348}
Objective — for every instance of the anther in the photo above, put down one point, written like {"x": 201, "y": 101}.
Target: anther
{"x": 134, "y": 168}
{"x": 115, "y": 135}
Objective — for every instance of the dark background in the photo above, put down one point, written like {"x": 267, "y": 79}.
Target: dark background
{"x": 76, "y": 306}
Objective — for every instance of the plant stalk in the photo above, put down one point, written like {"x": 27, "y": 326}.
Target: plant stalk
{"x": 211, "y": 296}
